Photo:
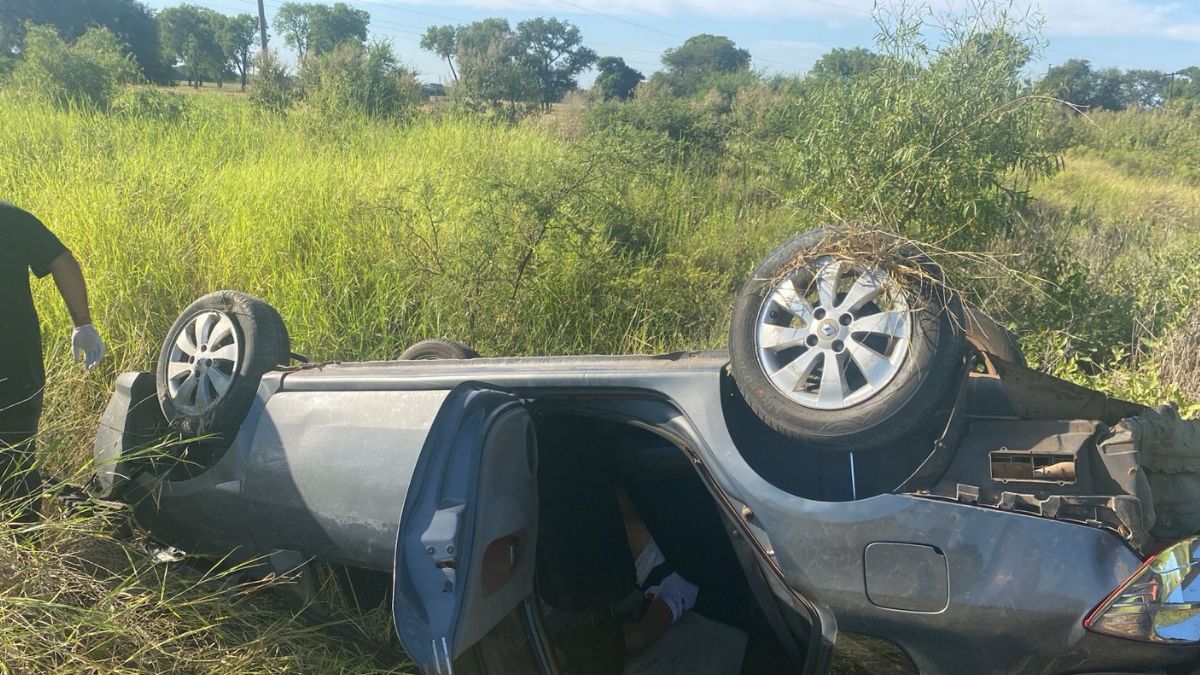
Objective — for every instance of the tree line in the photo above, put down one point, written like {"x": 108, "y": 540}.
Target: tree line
{"x": 537, "y": 61}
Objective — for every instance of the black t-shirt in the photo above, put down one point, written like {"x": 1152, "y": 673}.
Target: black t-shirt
{"x": 25, "y": 245}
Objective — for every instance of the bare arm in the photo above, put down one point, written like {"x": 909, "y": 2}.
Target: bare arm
{"x": 71, "y": 285}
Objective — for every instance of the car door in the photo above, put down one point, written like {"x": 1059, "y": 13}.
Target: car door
{"x": 467, "y": 535}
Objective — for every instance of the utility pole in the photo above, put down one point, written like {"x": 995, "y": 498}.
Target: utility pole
{"x": 262, "y": 25}
{"x": 1171, "y": 84}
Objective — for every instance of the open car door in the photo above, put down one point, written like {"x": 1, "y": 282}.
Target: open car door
{"x": 465, "y": 549}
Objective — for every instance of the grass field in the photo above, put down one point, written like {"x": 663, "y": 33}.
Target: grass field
{"x": 369, "y": 236}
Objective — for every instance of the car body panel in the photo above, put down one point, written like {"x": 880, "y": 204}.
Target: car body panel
{"x": 297, "y": 474}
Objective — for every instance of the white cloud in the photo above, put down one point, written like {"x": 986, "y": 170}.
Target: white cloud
{"x": 1122, "y": 18}
{"x": 1089, "y": 18}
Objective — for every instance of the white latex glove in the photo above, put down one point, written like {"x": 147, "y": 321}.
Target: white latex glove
{"x": 86, "y": 344}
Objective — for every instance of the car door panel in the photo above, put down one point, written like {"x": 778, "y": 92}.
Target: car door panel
{"x": 327, "y": 472}
{"x": 464, "y": 553}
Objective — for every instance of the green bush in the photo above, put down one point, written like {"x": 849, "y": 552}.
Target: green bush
{"x": 356, "y": 80}
{"x": 695, "y": 126}
{"x": 937, "y": 140}
{"x": 273, "y": 89}
{"x": 88, "y": 72}
{"x": 151, "y": 103}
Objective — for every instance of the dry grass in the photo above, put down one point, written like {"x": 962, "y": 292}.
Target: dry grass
{"x": 1178, "y": 357}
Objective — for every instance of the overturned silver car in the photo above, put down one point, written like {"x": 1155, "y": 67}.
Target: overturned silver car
{"x": 869, "y": 463}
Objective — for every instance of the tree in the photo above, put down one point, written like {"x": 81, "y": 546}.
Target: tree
{"x": 700, "y": 58}
{"x": 844, "y": 64}
{"x": 131, "y": 22}
{"x": 291, "y": 21}
{"x": 616, "y": 80}
{"x": 1108, "y": 89}
{"x": 1144, "y": 88}
{"x": 555, "y": 54}
{"x": 443, "y": 41}
{"x": 236, "y": 36}
{"x": 315, "y": 28}
{"x": 939, "y": 141}
{"x": 1073, "y": 82}
{"x": 1078, "y": 84}
{"x": 1184, "y": 84}
{"x": 491, "y": 66}
{"x": 188, "y": 34}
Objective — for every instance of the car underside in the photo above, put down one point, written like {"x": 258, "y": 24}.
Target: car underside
{"x": 854, "y": 472}
{"x": 780, "y": 533}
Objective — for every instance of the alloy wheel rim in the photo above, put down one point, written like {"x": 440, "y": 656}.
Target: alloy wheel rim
{"x": 833, "y": 334}
{"x": 203, "y": 362}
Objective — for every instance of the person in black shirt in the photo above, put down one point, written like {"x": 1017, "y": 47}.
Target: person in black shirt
{"x": 26, "y": 245}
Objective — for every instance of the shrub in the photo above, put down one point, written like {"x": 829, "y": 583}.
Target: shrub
{"x": 358, "y": 80}
{"x": 88, "y": 72}
{"x": 696, "y": 126}
{"x": 272, "y": 88}
{"x": 934, "y": 141}
{"x": 148, "y": 102}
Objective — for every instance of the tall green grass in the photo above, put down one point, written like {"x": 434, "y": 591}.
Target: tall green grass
{"x": 370, "y": 235}
{"x": 1115, "y": 236}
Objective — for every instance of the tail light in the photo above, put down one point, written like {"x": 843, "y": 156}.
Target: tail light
{"x": 1159, "y": 603}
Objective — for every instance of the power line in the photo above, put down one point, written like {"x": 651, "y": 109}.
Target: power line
{"x": 394, "y": 26}
{"x": 405, "y": 9}
{"x": 619, "y": 19}
{"x": 628, "y": 49}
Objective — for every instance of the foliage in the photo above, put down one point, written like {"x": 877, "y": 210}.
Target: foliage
{"x": 555, "y": 56}
{"x": 491, "y": 66}
{"x": 616, "y": 80}
{"x": 691, "y": 66}
{"x": 1111, "y": 89}
{"x": 936, "y": 141}
{"x": 1148, "y": 143}
{"x": 189, "y": 37}
{"x": 844, "y": 64}
{"x": 236, "y": 36}
{"x": 357, "y": 80}
{"x": 150, "y": 102}
{"x": 443, "y": 41}
{"x": 316, "y": 28}
{"x": 273, "y": 89}
{"x": 693, "y": 127}
{"x": 1187, "y": 86}
{"x": 87, "y": 72}
{"x": 129, "y": 20}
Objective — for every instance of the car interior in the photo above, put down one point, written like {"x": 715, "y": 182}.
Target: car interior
{"x": 585, "y": 572}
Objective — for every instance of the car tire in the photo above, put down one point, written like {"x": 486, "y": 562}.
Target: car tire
{"x": 233, "y": 339}
{"x": 438, "y": 348}
{"x": 894, "y": 374}
{"x": 988, "y": 336}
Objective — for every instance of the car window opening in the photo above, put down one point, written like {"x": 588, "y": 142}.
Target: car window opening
{"x": 635, "y": 567}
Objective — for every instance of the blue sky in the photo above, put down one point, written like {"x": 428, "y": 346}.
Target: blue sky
{"x": 782, "y": 35}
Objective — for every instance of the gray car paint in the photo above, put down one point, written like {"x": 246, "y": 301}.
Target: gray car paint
{"x": 1018, "y": 586}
